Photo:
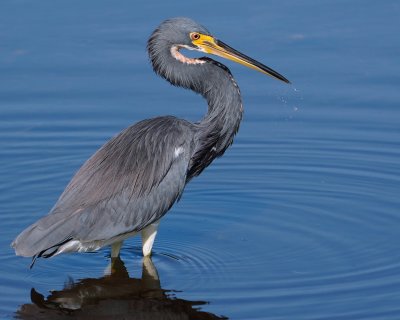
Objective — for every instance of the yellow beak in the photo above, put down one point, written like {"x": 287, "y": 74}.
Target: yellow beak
{"x": 211, "y": 45}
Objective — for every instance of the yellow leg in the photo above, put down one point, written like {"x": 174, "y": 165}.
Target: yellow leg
{"x": 115, "y": 249}
{"x": 148, "y": 236}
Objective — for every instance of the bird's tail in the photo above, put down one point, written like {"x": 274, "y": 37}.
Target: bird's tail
{"x": 47, "y": 253}
{"x": 43, "y": 238}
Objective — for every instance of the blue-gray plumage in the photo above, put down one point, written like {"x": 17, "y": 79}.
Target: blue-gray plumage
{"x": 135, "y": 178}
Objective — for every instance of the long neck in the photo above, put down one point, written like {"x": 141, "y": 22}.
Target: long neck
{"x": 215, "y": 132}
{"x": 220, "y": 124}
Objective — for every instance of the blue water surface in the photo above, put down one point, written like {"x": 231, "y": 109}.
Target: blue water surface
{"x": 299, "y": 220}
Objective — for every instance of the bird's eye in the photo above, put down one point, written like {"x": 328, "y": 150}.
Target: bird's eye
{"x": 194, "y": 36}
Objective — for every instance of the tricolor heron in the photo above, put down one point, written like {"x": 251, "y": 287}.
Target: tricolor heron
{"x": 128, "y": 185}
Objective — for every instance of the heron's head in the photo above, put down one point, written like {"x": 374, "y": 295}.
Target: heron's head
{"x": 177, "y": 31}
{"x": 185, "y": 33}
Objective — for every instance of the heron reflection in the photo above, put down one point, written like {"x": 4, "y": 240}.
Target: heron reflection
{"x": 114, "y": 296}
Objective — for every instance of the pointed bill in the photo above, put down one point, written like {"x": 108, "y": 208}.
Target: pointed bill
{"x": 211, "y": 45}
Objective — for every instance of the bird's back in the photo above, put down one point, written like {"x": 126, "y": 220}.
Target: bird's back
{"x": 126, "y": 185}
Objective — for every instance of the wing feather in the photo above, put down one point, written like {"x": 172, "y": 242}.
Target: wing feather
{"x": 127, "y": 184}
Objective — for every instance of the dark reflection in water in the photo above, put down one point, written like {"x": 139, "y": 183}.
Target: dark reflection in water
{"x": 114, "y": 296}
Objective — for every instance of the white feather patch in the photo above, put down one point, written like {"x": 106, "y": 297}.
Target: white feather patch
{"x": 178, "y": 151}
{"x": 180, "y": 57}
